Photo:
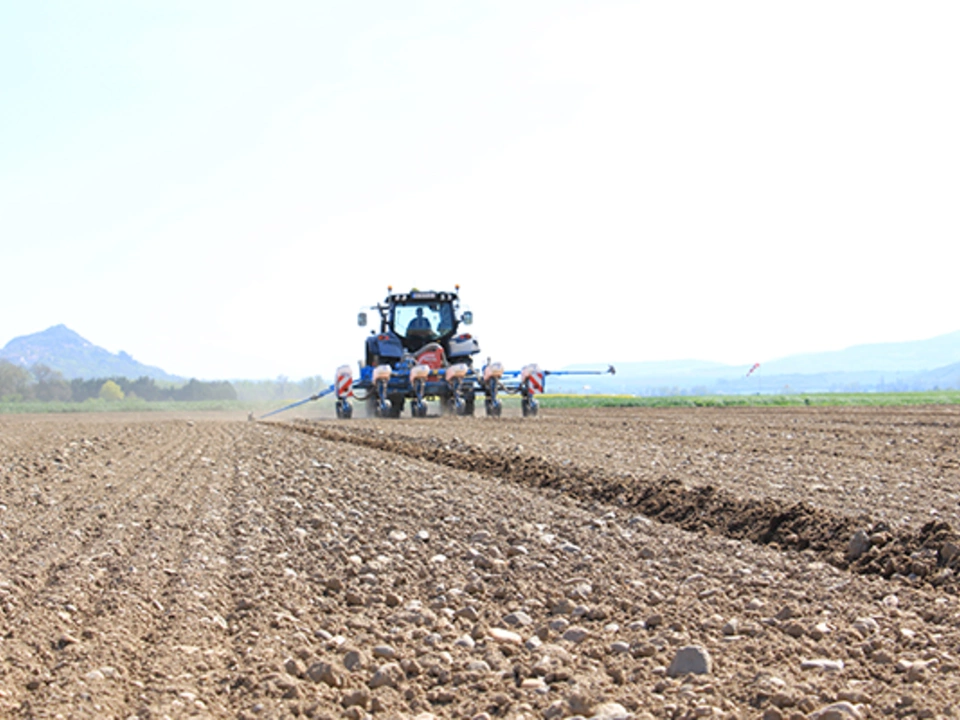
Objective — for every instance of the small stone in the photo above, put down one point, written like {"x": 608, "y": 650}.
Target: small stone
{"x": 691, "y": 659}
{"x": 882, "y": 657}
{"x": 858, "y": 545}
{"x": 819, "y": 631}
{"x": 611, "y": 711}
{"x": 293, "y": 667}
{"x": 866, "y": 626}
{"x": 555, "y": 710}
{"x": 411, "y": 667}
{"x": 917, "y": 670}
{"x": 619, "y": 647}
{"x": 468, "y": 612}
{"x": 643, "y": 650}
{"x": 389, "y": 675}
{"x": 353, "y": 660}
{"x": 384, "y": 651}
{"x": 794, "y": 629}
{"x": 356, "y": 698}
{"x": 465, "y": 641}
{"x": 518, "y": 619}
{"x": 837, "y": 711}
{"x": 505, "y": 636}
{"x": 324, "y": 672}
{"x": 423, "y": 536}
{"x": 949, "y": 552}
{"x": 731, "y": 627}
{"x": 576, "y": 634}
{"x": 787, "y": 612}
{"x": 578, "y": 704}
{"x": 822, "y": 664}
{"x": 65, "y": 640}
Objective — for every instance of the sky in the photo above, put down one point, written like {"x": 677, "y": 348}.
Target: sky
{"x": 219, "y": 187}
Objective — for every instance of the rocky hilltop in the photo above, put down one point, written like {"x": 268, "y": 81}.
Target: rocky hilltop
{"x": 64, "y": 350}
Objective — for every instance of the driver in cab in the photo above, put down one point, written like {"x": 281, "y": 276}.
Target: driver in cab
{"x": 419, "y": 326}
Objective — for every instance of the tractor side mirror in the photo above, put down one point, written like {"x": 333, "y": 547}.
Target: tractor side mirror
{"x": 467, "y": 318}
{"x": 362, "y": 319}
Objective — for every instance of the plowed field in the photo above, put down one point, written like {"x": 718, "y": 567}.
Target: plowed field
{"x": 803, "y": 560}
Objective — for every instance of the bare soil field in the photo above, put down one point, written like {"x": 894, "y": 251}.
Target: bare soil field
{"x": 734, "y": 563}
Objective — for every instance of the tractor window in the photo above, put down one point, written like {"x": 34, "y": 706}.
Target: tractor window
{"x": 423, "y": 320}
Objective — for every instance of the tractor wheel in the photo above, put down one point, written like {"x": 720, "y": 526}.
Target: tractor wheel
{"x": 493, "y": 407}
{"x": 455, "y": 406}
{"x": 529, "y": 407}
{"x": 396, "y": 406}
{"x": 345, "y": 411}
{"x": 469, "y": 405}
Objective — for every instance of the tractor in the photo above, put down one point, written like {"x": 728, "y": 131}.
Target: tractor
{"x": 420, "y": 353}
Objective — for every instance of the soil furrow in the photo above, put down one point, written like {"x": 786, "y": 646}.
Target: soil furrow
{"x": 930, "y": 553}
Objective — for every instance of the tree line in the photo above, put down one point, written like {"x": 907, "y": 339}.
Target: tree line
{"x": 43, "y": 384}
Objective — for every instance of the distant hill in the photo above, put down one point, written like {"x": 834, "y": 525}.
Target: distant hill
{"x": 913, "y": 356}
{"x": 913, "y": 365}
{"x": 61, "y": 349}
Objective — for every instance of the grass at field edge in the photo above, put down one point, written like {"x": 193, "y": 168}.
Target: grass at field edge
{"x": 932, "y": 397}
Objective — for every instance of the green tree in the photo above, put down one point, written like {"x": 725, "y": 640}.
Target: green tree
{"x": 111, "y": 391}
{"x": 15, "y": 382}
{"x": 50, "y": 384}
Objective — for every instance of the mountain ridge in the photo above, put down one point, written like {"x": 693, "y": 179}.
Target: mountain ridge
{"x": 891, "y": 366}
{"x": 66, "y": 351}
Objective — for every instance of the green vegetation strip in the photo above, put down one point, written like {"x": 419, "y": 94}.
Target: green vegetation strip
{"x": 931, "y": 397}
{"x": 96, "y": 405}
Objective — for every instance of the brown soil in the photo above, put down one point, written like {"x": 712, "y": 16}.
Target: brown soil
{"x": 204, "y": 567}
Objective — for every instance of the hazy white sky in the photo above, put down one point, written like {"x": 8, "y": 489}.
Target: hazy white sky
{"x": 218, "y": 187}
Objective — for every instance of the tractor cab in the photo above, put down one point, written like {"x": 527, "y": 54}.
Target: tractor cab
{"x": 413, "y": 322}
{"x": 418, "y": 320}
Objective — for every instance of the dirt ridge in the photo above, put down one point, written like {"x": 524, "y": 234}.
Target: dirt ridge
{"x": 930, "y": 554}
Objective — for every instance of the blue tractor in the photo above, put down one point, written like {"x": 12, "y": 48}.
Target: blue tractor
{"x": 419, "y": 353}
